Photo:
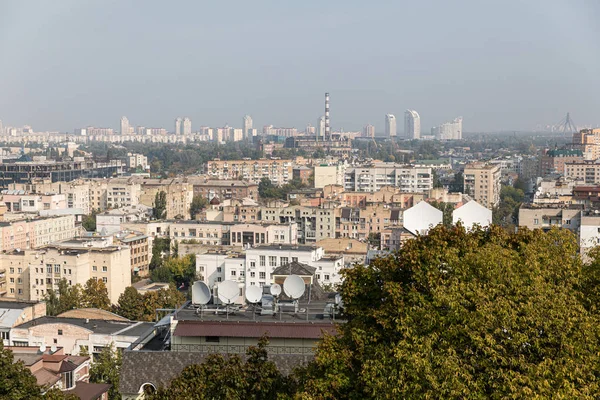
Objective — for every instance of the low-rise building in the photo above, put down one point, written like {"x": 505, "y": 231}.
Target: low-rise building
{"x": 13, "y": 313}
{"x": 545, "y": 217}
{"x": 109, "y": 222}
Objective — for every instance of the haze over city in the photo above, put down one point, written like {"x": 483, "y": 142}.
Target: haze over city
{"x": 508, "y": 66}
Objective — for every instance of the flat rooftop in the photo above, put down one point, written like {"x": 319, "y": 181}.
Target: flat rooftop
{"x": 287, "y": 247}
{"x": 16, "y": 305}
{"x": 99, "y": 326}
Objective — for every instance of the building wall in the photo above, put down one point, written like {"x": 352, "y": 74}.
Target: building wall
{"x": 278, "y": 171}
{"x": 482, "y": 182}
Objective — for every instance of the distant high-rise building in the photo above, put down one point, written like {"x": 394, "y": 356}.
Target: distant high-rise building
{"x": 390, "y": 126}
{"x": 124, "y": 126}
{"x": 187, "y": 126}
{"x": 369, "y": 131}
{"x": 412, "y": 124}
{"x": 178, "y": 126}
{"x": 448, "y": 130}
{"x": 247, "y": 125}
{"x": 310, "y": 130}
{"x": 1, "y": 128}
{"x": 321, "y": 127}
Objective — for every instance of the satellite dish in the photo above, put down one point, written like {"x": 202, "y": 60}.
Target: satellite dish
{"x": 53, "y": 348}
{"x": 253, "y": 294}
{"x": 200, "y": 293}
{"x": 228, "y": 291}
{"x": 275, "y": 289}
{"x": 293, "y": 286}
{"x": 43, "y": 348}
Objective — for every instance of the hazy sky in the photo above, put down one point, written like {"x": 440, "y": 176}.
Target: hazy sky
{"x": 500, "y": 64}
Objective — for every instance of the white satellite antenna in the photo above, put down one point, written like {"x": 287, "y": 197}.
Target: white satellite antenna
{"x": 43, "y": 348}
{"x": 294, "y": 287}
{"x": 228, "y": 292}
{"x": 53, "y": 348}
{"x": 275, "y": 289}
{"x": 200, "y": 295}
{"x": 253, "y": 295}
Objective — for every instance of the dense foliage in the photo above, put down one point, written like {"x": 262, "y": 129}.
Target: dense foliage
{"x": 142, "y": 307}
{"x": 159, "y": 206}
{"x": 267, "y": 190}
{"x": 507, "y": 212}
{"x": 107, "y": 369}
{"x": 198, "y": 204}
{"x": 68, "y": 297}
{"x": 229, "y": 378}
{"x": 486, "y": 314}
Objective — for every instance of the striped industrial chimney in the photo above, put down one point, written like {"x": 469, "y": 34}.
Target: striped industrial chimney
{"x": 327, "y": 132}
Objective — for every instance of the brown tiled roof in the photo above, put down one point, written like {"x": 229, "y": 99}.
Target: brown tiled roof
{"x": 92, "y": 313}
{"x": 45, "y": 377}
{"x": 160, "y": 367}
{"x": 89, "y": 391}
{"x": 253, "y": 329}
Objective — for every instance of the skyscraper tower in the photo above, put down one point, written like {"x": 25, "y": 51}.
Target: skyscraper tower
{"x": 321, "y": 127}
{"x": 247, "y": 125}
{"x": 178, "y": 126}
{"x": 124, "y": 126}
{"x": 412, "y": 124}
{"x": 1, "y": 128}
{"x": 390, "y": 126}
{"x": 187, "y": 126}
{"x": 327, "y": 132}
{"x": 369, "y": 131}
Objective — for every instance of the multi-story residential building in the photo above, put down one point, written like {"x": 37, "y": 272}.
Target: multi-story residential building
{"x": 328, "y": 175}
{"x": 412, "y": 124}
{"x": 223, "y": 189}
{"x": 135, "y": 160}
{"x": 18, "y": 201}
{"x": 553, "y": 161}
{"x": 236, "y": 210}
{"x": 254, "y": 234}
{"x": 390, "y": 126}
{"x": 77, "y": 192}
{"x": 113, "y": 193}
{"x": 247, "y": 125}
{"x": 482, "y": 182}
{"x": 256, "y": 267}
{"x": 140, "y": 250}
{"x": 125, "y": 128}
{"x": 448, "y": 130}
{"x": 588, "y": 141}
{"x": 313, "y": 223}
{"x": 286, "y": 132}
{"x": 186, "y": 126}
{"x": 37, "y": 232}
{"x": 178, "y": 191}
{"x": 409, "y": 179}
{"x": 278, "y": 171}
{"x": 545, "y": 217}
{"x": 31, "y": 273}
{"x": 586, "y": 171}
{"x": 110, "y": 221}
{"x": 369, "y": 131}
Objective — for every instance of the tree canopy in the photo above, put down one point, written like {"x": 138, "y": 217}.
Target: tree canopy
{"x": 159, "y": 210}
{"x": 137, "y": 307}
{"x": 198, "y": 204}
{"x": 68, "y": 297}
{"x": 484, "y": 314}
{"x": 107, "y": 369}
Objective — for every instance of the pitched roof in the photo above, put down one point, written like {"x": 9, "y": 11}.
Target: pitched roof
{"x": 89, "y": 391}
{"x": 140, "y": 367}
{"x": 294, "y": 268}
{"x": 92, "y": 313}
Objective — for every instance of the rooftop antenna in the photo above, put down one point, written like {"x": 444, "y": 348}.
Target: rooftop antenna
{"x": 43, "y": 348}
{"x": 228, "y": 292}
{"x": 253, "y": 295}
{"x": 200, "y": 296}
{"x": 294, "y": 287}
{"x": 53, "y": 348}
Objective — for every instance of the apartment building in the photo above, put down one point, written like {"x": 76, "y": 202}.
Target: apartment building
{"x": 329, "y": 175}
{"x": 586, "y": 171}
{"x": 140, "y": 250}
{"x": 588, "y": 141}
{"x": 278, "y": 171}
{"x": 258, "y": 263}
{"x": 313, "y": 223}
{"x": 110, "y": 221}
{"x": 18, "y": 201}
{"x": 37, "y": 232}
{"x": 178, "y": 191}
{"x": 482, "y": 182}
{"x": 358, "y": 223}
{"x": 77, "y": 193}
{"x": 135, "y": 160}
{"x": 31, "y": 273}
{"x": 113, "y": 193}
{"x": 553, "y": 161}
{"x": 545, "y": 217}
{"x": 223, "y": 189}
{"x": 409, "y": 179}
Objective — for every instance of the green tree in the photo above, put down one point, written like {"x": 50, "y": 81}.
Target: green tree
{"x": 89, "y": 221}
{"x": 229, "y": 378}
{"x": 95, "y": 295}
{"x": 160, "y": 248}
{"x": 130, "y": 304}
{"x": 199, "y": 203}
{"x": 506, "y": 213}
{"x": 183, "y": 269}
{"x": 16, "y": 381}
{"x": 107, "y": 369}
{"x": 483, "y": 314}
{"x": 267, "y": 190}
{"x": 66, "y": 297}
{"x": 161, "y": 274}
{"x": 446, "y": 209}
{"x": 160, "y": 205}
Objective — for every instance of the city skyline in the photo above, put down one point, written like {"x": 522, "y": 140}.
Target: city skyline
{"x": 479, "y": 69}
